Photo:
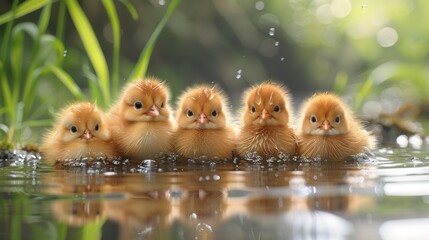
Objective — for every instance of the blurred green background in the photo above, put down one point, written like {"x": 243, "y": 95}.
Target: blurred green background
{"x": 373, "y": 53}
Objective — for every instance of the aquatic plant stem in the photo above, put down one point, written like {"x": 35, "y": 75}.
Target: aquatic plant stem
{"x": 140, "y": 69}
{"x": 61, "y": 20}
{"x": 92, "y": 48}
{"x": 116, "y": 31}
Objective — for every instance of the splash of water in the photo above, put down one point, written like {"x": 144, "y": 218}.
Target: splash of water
{"x": 238, "y": 75}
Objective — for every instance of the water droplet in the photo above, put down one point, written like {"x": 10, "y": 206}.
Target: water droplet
{"x": 238, "y": 76}
{"x": 161, "y": 2}
{"x": 416, "y": 160}
{"x": 203, "y": 158}
{"x": 282, "y": 59}
{"x": 272, "y": 31}
{"x": 148, "y": 163}
{"x": 276, "y": 44}
{"x": 416, "y": 141}
{"x": 176, "y": 194}
{"x": 259, "y": 5}
{"x": 65, "y": 53}
{"x": 193, "y": 218}
{"x": 203, "y": 231}
{"x": 402, "y": 141}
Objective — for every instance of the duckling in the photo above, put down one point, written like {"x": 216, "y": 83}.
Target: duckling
{"x": 81, "y": 130}
{"x": 203, "y": 124}
{"x": 266, "y": 118}
{"x": 141, "y": 123}
{"x": 329, "y": 129}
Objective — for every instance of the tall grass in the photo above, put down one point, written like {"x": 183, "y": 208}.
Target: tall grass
{"x": 21, "y": 68}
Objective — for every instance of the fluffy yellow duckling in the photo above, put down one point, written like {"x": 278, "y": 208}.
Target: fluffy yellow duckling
{"x": 203, "y": 124}
{"x": 80, "y": 131}
{"x": 140, "y": 122}
{"x": 330, "y": 131}
{"x": 265, "y": 125}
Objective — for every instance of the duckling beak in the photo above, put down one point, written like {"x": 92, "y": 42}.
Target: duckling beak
{"x": 86, "y": 135}
{"x": 153, "y": 111}
{"x": 265, "y": 114}
{"x": 326, "y": 125}
{"x": 202, "y": 118}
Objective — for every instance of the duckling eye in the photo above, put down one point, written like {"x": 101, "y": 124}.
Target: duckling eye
{"x": 214, "y": 113}
{"x": 97, "y": 127}
{"x": 277, "y": 108}
{"x": 138, "y": 105}
{"x": 253, "y": 109}
{"x": 73, "y": 129}
{"x": 337, "y": 119}
{"x": 313, "y": 119}
{"x": 189, "y": 113}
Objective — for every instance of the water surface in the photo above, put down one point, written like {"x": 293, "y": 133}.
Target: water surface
{"x": 385, "y": 196}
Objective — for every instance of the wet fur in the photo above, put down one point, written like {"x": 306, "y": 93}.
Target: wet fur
{"x": 266, "y": 141}
{"x": 193, "y": 143}
{"x": 333, "y": 147}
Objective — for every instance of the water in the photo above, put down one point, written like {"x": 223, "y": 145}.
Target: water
{"x": 238, "y": 74}
{"x": 384, "y": 196}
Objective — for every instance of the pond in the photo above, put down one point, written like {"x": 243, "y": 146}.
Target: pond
{"x": 383, "y": 196}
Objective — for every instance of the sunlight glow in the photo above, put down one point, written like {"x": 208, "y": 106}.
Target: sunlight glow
{"x": 341, "y": 8}
{"x": 387, "y": 37}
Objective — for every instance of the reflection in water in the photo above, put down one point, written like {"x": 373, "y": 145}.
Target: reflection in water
{"x": 228, "y": 202}
{"x": 363, "y": 199}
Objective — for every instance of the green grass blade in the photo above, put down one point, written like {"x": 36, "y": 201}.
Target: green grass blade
{"x": 61, "y": 21}
{"x": 92, "y": 47}
{"x": 67, "y": 80}
{"x": 340, "y": 83}
{"x": 45, "y": 17}
{"x": 16, "y": 56}
{"x": 6, "y": 90}
{"x": 8, "y": 31}
{"x": 116, "y": 31}
{"x": 92, "y": 230}
{"x": 4, "y": 128}
{"x": 93, "y": 85}
{"x": 38, "y": 123}
{"x": 140, "y": 69}
{"x": 131, "y": 9}
{"x": 363, "y": 93}
{"x": 23, "y": 9}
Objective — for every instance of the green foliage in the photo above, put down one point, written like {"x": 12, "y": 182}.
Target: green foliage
{"x": 359, "y": 38}
{"x": 21, "y": 69}
{"x": 21, "y": 106}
